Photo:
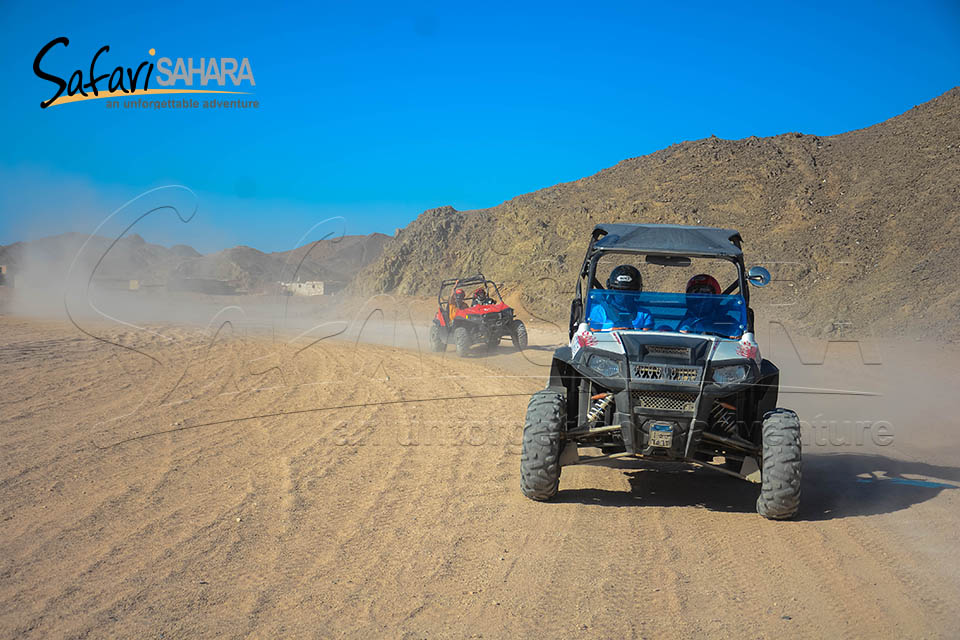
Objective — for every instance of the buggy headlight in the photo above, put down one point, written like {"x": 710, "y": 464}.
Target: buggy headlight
{"x": 607, "y": 367}
{"x": 731, "y": 373}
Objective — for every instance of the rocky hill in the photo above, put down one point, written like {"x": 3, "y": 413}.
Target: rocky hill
{"x": 46, "y": 261}
{"x": 861, "y": 227}
{"x": 335, "y": 260}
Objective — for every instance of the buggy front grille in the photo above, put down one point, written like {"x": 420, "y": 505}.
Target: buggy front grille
{"x": 645, "y": 371}
{"x": 685, "y": 374}
{"x": 668, "y": 350}
{"x": 665, "y": 400}
{"x": 648, "y": 372}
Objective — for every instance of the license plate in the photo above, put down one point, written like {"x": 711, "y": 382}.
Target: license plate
{"x": 661, "y": 435}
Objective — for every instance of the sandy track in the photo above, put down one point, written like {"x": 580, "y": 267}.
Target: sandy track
{"x": 256, "y": 514}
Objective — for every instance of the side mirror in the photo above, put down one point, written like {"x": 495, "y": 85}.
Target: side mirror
{"x": 758, "y": 276}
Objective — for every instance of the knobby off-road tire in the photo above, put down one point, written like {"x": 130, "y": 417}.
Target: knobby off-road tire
{"x": 519, "y": 335}
{"x": 461, "y": 337}
{"x": 780, "y": 489}
{"x": 438, "y": 341}
{"x": 542, "y": 442}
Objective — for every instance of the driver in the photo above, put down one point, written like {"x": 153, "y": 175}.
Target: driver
{"x": 703, "y": 283}
{"x": 480, "y": 296}
{"x": 701, "y": 314}
{"x": 621, "y": 311}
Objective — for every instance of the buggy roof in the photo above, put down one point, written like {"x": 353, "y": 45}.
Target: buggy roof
{"x": 466, "y": 281}
{"x": 668, "y": 239}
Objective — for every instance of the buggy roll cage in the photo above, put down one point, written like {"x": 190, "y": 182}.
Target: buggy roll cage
{"x": 464, "y": 282}
{"x": 667, "y": 241}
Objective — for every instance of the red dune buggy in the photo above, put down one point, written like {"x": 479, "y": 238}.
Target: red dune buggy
{"x": 468, "y": 314}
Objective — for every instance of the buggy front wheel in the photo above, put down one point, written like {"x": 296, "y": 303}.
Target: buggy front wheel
{"x": 781, "y": 472}
{"x": 438, "y": 341}
{"x": 519, "y": 335}
{"x": 461, "y": 337}
{"x": 542, "y": 440}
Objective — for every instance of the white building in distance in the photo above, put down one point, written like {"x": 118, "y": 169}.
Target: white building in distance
{"x": 310, "y": 288}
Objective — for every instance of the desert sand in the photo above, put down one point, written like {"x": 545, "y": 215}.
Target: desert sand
{"x": 168, "y": 480}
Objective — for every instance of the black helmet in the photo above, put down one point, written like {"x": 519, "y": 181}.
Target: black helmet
{"x": 626, "y": 278}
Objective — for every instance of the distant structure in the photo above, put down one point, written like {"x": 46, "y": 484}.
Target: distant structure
{"x": 5, "y": 278}
{"x": 309, "y": 288}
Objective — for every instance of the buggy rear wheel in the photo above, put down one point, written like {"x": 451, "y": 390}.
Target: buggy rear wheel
{"x": 780, "y": 482}
{"x": 542, "y": 436}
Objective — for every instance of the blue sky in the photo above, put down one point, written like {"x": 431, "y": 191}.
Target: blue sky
{"x": 375, "y": 112}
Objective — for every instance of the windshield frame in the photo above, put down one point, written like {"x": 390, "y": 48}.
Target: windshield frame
{"x": 447, "y": 287}
{"x": 588, "y": 275}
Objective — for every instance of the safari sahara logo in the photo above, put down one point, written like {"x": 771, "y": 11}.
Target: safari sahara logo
{"x": 169, "y": 75}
